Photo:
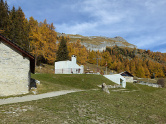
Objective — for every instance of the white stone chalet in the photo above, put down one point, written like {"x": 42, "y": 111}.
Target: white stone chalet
{"x": 68, "y": 67}
{"x": 128, "y": 76}
{"x": 117, "y": 78}
{"x": 16, "y": 65}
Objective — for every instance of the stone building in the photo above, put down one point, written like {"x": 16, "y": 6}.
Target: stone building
{"x": 69, "y": 67}
{"x": 16, "y": 66}
{"x": 128, "y": 76}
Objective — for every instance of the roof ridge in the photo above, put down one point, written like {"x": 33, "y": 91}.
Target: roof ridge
{"x": 14, "y": 43}
{"x": 24, "y": 52}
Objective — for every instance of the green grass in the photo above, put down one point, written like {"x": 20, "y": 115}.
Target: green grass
{"x": 141, "y": 104}
{"x": 90, "y": 107}
{"x": 54, "y": 82}
{"x": 143, "y": 88}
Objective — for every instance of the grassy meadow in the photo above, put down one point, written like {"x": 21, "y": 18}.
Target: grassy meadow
{"x": 135, "y": 104}
{"x": 52, "y": 82}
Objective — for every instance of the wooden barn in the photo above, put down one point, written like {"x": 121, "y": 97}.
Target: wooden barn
{"x": 128, "y": 76}
{"x": 16, "y": 66}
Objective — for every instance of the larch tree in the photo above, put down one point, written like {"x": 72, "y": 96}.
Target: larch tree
{"x": 114, "y": 66}
{"x": 36, "y": 43}
{"x": 92, "y": 57}
{"x": 140, "y": 72}
{"x": 81, "y": 52}
{"x": 50, "y": 47}
{"x": 107, "y": 59}
{"x": 36, "y": 39}
{"x": 127, "y": 68}
{"x": 43, "y": 40}
{"x": 83, "y": 55}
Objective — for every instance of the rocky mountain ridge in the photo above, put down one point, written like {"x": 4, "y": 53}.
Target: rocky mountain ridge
{"x": 100, "y": 43}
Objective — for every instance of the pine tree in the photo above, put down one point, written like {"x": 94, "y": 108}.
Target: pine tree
{"x": 25, "y": 37}
{"x": 4, "y": 18}
{"x": 13, "y": 22}
{"x": 62, "y": 53}
{"x": 19, "y": 28}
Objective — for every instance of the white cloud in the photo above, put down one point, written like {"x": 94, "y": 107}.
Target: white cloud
{"x": 148, "y": 42}
{"x": 79, "y": 28}
{"x": 142, "y": 22}
{"x": 153, "y": 5}
{"x": 160, "y": 50}
{"x": 104, "y": 11}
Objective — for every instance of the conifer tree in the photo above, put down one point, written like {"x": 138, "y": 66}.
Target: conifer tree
{"x": 50, "y": 47}
{"x": 78, "y": 50}
{"x": 107, "y": 58}
{"x": 127, "y": 68}
{"x": 12, "y": 26}
{"x": 140, "y": 72}
{"x": 19, "y": 28}
{"x": 114, "y": 66}
{"x": 62, "y": 53}
{"x": 4, "y": 18}
{"x": 22, "y": 29}
{"x": 91, "y": 57}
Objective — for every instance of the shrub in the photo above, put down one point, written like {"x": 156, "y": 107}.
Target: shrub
{"x": 161, "y": 82}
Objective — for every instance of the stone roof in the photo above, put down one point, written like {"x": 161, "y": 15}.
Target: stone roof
{"x": 126, "y": 73}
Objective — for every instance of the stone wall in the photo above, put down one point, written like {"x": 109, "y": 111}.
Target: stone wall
{"x": 150, "y": 84}
{"x": 128, "y": 79}
{"x": 14, "y": 71}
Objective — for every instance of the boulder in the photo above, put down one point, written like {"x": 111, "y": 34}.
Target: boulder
{"x": 105, "y": 88}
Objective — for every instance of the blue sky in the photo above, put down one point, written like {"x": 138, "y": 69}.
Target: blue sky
{"x": 140, "y": 22}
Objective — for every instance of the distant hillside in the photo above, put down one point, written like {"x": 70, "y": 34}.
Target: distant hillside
{"x": 100, "y": 43}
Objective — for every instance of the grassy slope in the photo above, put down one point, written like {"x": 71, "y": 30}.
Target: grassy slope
{"x": 52, "y": 82}
{"x": 135, "y": 104}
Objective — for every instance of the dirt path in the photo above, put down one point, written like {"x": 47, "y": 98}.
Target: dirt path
{"x": 35, "y": 97}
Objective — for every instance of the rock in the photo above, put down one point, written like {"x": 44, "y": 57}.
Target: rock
{"x": 38, "y": 82}
{"x": 105, "y": 88}
{"x": 34, "y": 91}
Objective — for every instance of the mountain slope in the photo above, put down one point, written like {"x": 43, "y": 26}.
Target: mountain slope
{"x": 100, "y": 43}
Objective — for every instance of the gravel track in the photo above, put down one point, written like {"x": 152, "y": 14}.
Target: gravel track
{"x": 35, "y": 97}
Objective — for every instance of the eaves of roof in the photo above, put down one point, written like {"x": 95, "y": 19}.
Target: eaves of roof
{"x": 24, "y": 53}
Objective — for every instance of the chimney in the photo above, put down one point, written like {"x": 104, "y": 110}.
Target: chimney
{"x": 73, "y": 59}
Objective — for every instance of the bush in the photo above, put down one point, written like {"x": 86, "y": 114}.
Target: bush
{"x": 161, "y": 82}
